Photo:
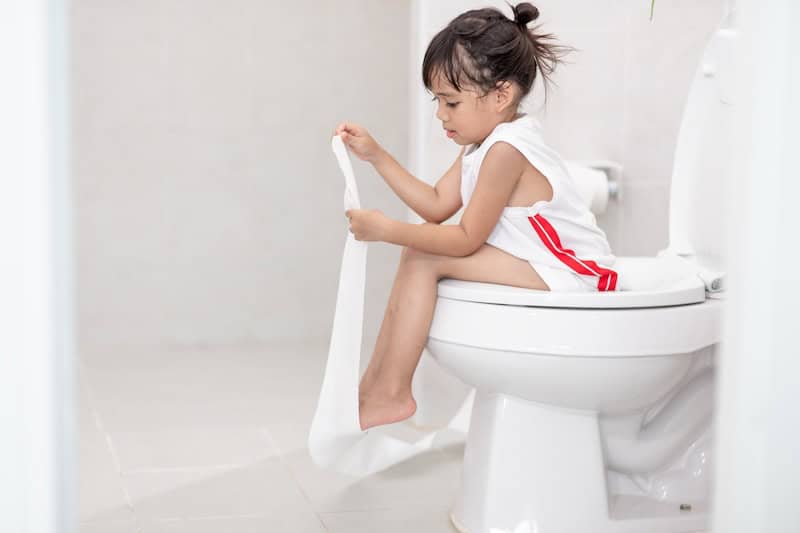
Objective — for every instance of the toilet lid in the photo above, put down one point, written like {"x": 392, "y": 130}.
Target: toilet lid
{"x": 642, "y": 282}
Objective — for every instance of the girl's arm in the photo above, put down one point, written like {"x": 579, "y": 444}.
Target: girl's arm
{"x": 439, "y": 239}
{"x": 498, "y": 176}
{"x": 415, "y": 193}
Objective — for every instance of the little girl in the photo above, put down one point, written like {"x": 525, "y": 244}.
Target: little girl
{"x": 524, "y": 224}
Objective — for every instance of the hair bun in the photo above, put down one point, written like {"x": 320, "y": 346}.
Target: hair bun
{"x": 524, "y": 13}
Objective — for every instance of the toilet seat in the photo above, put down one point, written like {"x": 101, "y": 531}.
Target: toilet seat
{"x": 643, "y": 282}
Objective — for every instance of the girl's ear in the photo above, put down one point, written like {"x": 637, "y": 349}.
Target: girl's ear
{"x": 504, "y": 95}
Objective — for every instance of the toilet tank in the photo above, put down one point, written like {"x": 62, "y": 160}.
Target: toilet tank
{"x": 701, "y": 174}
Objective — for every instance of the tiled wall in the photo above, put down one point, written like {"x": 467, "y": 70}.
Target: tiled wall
{"x": 207, "y": 201}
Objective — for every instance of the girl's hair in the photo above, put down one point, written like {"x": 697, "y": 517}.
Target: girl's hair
{"x": 483, "y": 47}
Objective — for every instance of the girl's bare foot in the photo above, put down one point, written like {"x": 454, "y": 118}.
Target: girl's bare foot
{"x": 377, "y": 409}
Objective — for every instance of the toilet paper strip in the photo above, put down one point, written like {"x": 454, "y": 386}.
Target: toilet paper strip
{"x": 335, "y": 439}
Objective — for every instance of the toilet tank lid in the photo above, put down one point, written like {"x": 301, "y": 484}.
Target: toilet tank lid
{"x": 643, "y": 282}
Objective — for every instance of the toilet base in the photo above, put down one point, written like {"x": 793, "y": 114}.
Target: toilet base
{"x": 531, "y": 468}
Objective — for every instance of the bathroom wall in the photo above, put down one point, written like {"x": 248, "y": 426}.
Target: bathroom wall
{"x": 208, "y": 205}
{"x": 208, "y": 202}
{"x": 620, "y": 97}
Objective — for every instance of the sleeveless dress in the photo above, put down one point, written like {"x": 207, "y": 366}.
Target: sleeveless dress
{"x": 560, "y": 237}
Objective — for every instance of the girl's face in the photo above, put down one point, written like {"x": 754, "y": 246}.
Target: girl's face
{"x": 467, "y": 117}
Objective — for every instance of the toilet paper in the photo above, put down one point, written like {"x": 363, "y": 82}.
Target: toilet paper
{"x": 592, "y": 185}
{"x": 335, "y": 439}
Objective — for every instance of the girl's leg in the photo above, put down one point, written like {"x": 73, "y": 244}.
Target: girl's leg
{"x": 382, "y": 343}
{"x": 386, "y": 396}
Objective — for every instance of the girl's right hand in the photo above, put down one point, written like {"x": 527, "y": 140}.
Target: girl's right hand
{"x": 358, "y": 139}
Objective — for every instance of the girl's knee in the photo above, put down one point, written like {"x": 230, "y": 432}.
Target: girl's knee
{"x": 412, "y": 254}
{"x": 418, "y": 258}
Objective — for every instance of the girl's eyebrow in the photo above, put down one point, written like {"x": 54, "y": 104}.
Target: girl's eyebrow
{"x": 444, "y": 94}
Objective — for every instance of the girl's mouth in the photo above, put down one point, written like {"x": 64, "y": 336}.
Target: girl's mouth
{"x": 451, "y": 134}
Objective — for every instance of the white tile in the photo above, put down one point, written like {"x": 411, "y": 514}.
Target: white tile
{"x": 191, "y": 448}
{"x": 290, "y": 432}
{"x": 557, "y": 16}
{"x": 279, "y": 521}
{"x": 401, "y": 519}
{"x": 152, "y": 388}
{"x": 261, "y": 489}
{"x": 101, "y": 496}
{"x": 426, "y": 479}
{"x": 580, "y": 123}
{"x": 86, "y": 413}
{"x": 127, "y": 526}
{"x": 660, "y": 57}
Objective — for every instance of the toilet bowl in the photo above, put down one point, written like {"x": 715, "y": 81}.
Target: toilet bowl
{"x": 593, "y": 411}
{"x": 582, "y": 402}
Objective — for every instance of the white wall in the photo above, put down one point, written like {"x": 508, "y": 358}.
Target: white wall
{"x": 208, "y": 201}
{"x": 38, "y": 474}
{"x": 758, "y": 426}
{"x": 620, "y": 97}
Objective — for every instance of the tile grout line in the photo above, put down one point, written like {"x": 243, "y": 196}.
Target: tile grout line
{"x": 107, "y": 438}
{"x": 268, "y": 436}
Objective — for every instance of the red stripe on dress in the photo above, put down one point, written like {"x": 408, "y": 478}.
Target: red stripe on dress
{"x": 607, "y": 278}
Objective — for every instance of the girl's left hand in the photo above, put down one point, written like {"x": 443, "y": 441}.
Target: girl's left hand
{"x": 368, "y": 224}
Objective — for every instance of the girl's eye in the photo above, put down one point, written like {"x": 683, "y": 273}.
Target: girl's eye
{"x": 448, "y": 103}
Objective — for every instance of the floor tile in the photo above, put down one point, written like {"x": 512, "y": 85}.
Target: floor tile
{"x": 280, "y": 521}
{"x": 127, "y": 526}
{"x": 149, "y": 389}
{"x": 260, "y": 489}
{"x": 201, "y": 447}
{"x": 396, "y": 520}
{"x": 101, "y": 495}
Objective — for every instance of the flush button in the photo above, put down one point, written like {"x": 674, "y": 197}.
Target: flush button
{"x": 686, "y": 507}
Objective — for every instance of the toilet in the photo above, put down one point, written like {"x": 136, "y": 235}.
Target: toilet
{"x": 593, "y": 411}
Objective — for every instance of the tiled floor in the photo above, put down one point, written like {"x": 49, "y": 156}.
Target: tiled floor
{"x": 214, "y": 440}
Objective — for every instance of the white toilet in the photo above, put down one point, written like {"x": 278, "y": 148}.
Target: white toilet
{"x": 593, "y": 411}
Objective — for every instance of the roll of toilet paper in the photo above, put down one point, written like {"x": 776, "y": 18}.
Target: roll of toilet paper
{"x": 592, "y": 185}
{"x": 335, "y": 439}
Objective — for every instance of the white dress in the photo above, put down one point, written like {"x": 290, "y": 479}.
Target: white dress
{"x": 559, "y": 238}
